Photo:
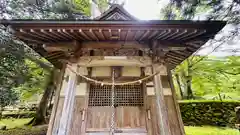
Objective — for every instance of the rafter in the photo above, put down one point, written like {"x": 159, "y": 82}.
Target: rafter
{"x": 42, "y": 35}
{"x": 31, "y": 35}
{"x": 186, "y": 35}
{"x": 49, "y": 35}
{"x": 57, "y": 35}
{"x": 64, "y": 35}
{"x": 75, "y": 33}
{"x": 102, "y": 34}
{"x": 144, "y": 35}
{"x": 84, "y": 35}
{"x": 91, "y": 31}
{"x": 66, "y": 32}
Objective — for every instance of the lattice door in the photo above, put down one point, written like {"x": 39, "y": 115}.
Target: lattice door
{"x": 126, "y": 95}
{"x": 129, "y": 109}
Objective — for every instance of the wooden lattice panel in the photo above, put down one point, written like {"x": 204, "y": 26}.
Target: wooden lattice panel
{"x": 126, "y": 95}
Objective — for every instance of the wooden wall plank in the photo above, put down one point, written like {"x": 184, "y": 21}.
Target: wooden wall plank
{"x": 154, "y": 124}
{"x": 176, "y": 105}
{"x": 59, "y": 77}
{"x": 130, "y": 117}
{"x": 172, "y": 116}
{"x": 99, "y": 117}
{"x": 76, "y": 121}
{"x": 58, "y": 115}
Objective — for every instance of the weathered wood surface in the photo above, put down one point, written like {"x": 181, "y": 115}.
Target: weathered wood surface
{"x": 114, "y": 44}
{"x": 93, "y": 61}
{"x": 56, "y": 100}
{"x": 162, "y": 114}
{"x": 126, "y": 118}
{"x": 172, "y": 116}
{"x": 68, "y": 105}
{"x": 153, "y": 123}
{"x": 174, "y": 97}
{"x": 58, "y": 115}
{"x": 98, "y": 117}
{"x": 130, "y": 117}
{"x": 76, "y": 122}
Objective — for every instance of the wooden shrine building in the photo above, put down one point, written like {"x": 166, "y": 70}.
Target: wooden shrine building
{"x": 115, "y": 70}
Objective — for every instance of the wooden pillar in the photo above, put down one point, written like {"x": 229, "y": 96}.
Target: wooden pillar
{"x": 56, "y": 99}
{"x": 181, "y": 125}
{"x": 164, "y": 127}
{"x": 68, "y": 105}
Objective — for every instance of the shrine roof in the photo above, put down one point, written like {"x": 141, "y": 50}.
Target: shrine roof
{"x": 117, "y": 25}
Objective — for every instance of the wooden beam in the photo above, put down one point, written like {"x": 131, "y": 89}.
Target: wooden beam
{"x": 113, "y": 44}
{"x": 94, "y": 61}
{"x": 167, "y": 44}
{"x": 61, "y": 46}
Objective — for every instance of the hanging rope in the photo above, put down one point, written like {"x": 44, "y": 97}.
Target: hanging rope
{"x": 110, "y": 83}
{"x": 112, "y": 127}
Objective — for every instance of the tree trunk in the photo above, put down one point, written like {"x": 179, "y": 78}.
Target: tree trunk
{"x": 189, "y": 80}
{"x": 1, "y": 111}
{"x": 189, "y": 88}
{"x": 179, "y": 85}
{"x": 40, "y": 117}
{"x": 50, "y": 102}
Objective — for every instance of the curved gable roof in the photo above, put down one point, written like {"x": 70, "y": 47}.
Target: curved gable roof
{"x": 116, "y": 13}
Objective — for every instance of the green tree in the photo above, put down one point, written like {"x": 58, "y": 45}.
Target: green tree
{"x": 32, "y": 81}
{"x": 215, "y": 76}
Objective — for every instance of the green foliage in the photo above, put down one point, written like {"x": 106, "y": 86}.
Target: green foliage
{"x": 14, "y": 123}
{"x": 190, "y": 130}
{"x": 208, "y": 130}
{"x": 26, "y": 131}
{"x": 218, "y": 77}
{"x": 17, "y": 115}
{"x": 215, "y": 113}
{"x": 34, "y": 83}
{"x": 11, "y": 69}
